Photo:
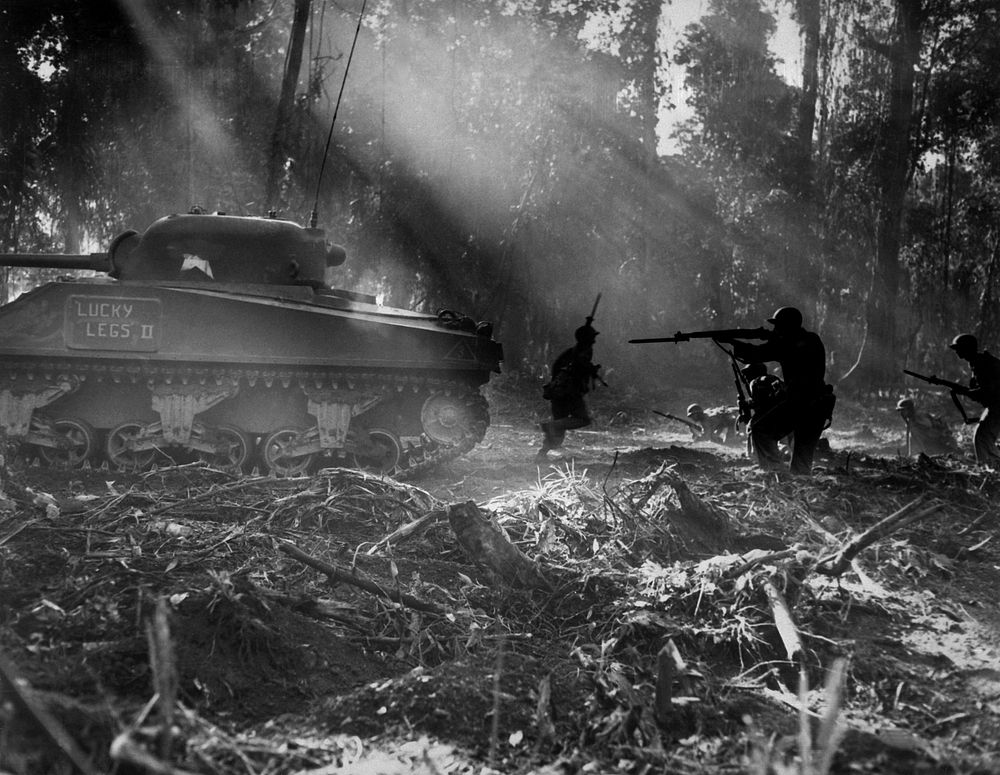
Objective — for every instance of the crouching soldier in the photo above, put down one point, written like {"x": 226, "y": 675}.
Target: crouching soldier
{"x": 717, "y": 424}
{"x": 925, "y": 433}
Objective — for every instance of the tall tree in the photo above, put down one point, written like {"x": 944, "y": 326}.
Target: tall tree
{"x": 808, "y": 14}
{"x": 278, "y": 151}
{"x": 876, "y": 362}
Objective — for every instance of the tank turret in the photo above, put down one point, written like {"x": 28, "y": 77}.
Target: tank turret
{"x": 218, "y": 337}
{"x": 207, "y": 248}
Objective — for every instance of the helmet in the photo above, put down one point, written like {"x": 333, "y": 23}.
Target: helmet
{"x": 585, "y": 334}
{"x": 753, "y": 370}
{"x": 788, "y": 318}
{"x": 695, "y": 409}
{"x": 964, "y": 343}
{"x": 904, "y": 403}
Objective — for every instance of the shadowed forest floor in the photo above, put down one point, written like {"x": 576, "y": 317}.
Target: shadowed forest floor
{"x": 684, "y": 611}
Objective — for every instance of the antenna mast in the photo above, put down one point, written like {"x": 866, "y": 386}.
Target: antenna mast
{"x": 314, "y": 215}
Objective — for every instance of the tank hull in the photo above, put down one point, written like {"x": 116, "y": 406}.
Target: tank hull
{"x": 290, "y": 374}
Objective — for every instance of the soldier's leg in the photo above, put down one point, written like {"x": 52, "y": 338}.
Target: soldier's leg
{"x": 572, "y": 415}
{"x": 810, "y": 420}
{"x": 550, "y": 440}
{"x": 985, "y": 438}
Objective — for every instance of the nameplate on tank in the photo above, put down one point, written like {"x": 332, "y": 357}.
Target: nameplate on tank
{"x": 113, "y": 323}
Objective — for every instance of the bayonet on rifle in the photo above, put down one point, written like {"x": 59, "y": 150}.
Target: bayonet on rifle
{"x": 957, "y": 389}
{"x": 720, "y": 335}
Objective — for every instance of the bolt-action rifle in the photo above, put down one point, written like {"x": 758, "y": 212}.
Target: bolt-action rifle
{"x": 742, "y": 402}
{"x": 957, "y": 389}
{"x": 692, "y": 425}
{"x": 719, "y": 335}
{"x": 596, "y": 373}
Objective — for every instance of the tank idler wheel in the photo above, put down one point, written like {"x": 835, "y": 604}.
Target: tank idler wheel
{"x": 234, "y": 449}
{"x": 82, "y": 439}
{"x": 120, "y": 448}
{"x": 277, "y": 457}
{"x": 446, "y": 419}
{"x": 381, "y": 453}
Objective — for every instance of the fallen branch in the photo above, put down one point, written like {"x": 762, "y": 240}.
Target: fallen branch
{"x": 407, "y": 530}
{"x": 44, "y": 721}
{"x": 753, "y": 562}
{"x": 210, "y": 493}
{"x": 783, "y": 621}
{"x": 125, "y": 750}
{"x": 835, "y": 564}
{"x": 335, "y": 575}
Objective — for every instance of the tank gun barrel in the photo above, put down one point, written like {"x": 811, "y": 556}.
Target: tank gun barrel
{"x": 97, "y": 262}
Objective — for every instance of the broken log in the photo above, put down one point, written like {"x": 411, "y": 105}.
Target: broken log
{"x": 335, "y": 575}
{"x": 487, "y": 546}
{"x": 837, "y": 563}
{"x": 669, "y": 665}
{"x": 783, "y": 621}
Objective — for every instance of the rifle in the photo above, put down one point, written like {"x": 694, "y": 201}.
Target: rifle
{"x": 593, "y": 311}
{"x": 957, "y": 389}
{"x": 719, "y": 334}
{"x": 741, "y": 397}
{"x": 691, "y": 425}
{"x": 595, "y": 375}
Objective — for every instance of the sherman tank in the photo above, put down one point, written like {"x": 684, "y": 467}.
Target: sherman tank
{"x": 216, "y": 337}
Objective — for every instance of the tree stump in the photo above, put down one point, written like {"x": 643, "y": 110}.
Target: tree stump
{"x": 487, "y": 546}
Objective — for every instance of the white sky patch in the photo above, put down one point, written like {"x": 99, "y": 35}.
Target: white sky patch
{"x": 785, "y": 44}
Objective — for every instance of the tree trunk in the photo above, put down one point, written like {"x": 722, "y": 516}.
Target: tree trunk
{"x": 988, "y": 329}
{"x": 808, "y": 13}
{"x": 293, "y": 64}
{"x": 876, "y": 361}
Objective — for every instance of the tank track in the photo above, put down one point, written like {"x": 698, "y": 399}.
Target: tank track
{"x": 385, "y": 385}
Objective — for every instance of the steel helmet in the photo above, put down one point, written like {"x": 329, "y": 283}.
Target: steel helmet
{"x": 585, "y": 334}
{"x": 904, "y": 403}
{"x": 964, "y": 343}
{"x": 753, "y": 370}
{"x": 786, "y": 317}
{"x": 695, "y": 409}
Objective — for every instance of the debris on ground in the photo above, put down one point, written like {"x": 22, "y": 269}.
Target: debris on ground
{"x": 670, "y": 611}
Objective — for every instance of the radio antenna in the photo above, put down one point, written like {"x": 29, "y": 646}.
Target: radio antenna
{"x": 314, "y": 215}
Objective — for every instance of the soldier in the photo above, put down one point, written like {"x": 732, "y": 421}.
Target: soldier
{"x": 807, "y": 405}
{"x": 764, "y": 391}
{"x": 572, "y": 376}
{"x": 984, "y": 388}
{"x": 718, "y": 424}
{"x": 925, "y": 433}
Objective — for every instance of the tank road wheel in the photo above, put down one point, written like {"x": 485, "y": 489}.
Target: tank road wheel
{"x": 446, "y": 419}
{"x": 120, "y": 448}
{"x": 381, "y": 453}
{"x": 277, "y": 457}
{"x": 82, "y": 439}
{"x": 233, "y": 449}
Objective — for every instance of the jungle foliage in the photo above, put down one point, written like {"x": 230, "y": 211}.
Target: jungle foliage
{"x": 501, "y": 157}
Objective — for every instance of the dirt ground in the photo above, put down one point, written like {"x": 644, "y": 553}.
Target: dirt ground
{"x": 186, "y": 621}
